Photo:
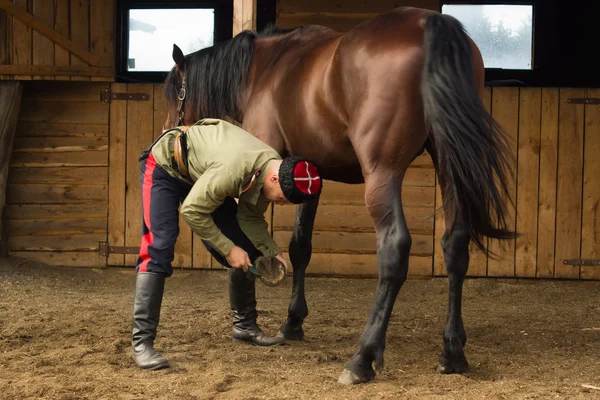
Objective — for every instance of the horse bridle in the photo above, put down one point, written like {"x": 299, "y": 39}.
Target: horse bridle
{"x": 181, "y": 98}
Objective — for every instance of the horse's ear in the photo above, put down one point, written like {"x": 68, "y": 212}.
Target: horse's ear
{"x": 178, "y": 57}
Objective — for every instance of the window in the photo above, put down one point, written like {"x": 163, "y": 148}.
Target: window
{"x": 503, "y": 32}
{"x": 148, "y": 29}
{"x": 152, "y": 34}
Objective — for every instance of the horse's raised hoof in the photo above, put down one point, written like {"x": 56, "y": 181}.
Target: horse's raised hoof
{"x": 348, "y": 378}
{"x": 455, "y": 366}
{"x": 290, "y": 333}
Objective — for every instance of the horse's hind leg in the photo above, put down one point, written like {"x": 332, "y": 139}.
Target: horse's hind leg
{"x": 300, "y": 251}
{"x": 455, "y": 244}
{"x": 456, "y": 255}
{"x": 383, "y": 198}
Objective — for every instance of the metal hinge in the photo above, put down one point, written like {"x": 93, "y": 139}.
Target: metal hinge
{"x": 105, "y": 249}
{"x": 590, "y": 100}
{"x": 587, "y": 262}
{"x": 107, "y": 96}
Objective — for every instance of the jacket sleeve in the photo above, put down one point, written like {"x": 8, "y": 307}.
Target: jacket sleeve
{"x": 252, "y": 221}
{"x": 207, "y": 194}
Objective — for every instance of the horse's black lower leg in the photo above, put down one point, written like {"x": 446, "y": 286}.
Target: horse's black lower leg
{"x": 300, "y": 251}
{"x": 393, "y": 247}
{"x": 455, "y": 245}
{"x": 456, "y": 255}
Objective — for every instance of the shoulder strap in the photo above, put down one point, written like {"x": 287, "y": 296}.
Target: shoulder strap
{"x": 146, "y": 152}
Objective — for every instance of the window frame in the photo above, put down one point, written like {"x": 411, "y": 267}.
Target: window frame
{"x": 223, "y": 28}
{"x": 500, "y": 76}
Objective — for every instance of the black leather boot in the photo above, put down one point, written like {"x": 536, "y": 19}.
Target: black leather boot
{"x": 149, "y": 289}
{"x": 242, "y": 297}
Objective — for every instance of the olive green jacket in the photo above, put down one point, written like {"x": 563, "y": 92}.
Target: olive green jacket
{"x": 223, "y": 161}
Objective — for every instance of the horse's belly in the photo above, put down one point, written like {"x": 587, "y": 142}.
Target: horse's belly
{"x": 336, "y": 158}
{"x": 348, "y": 174}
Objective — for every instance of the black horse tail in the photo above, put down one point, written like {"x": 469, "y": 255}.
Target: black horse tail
{"x": 470, "y": 148}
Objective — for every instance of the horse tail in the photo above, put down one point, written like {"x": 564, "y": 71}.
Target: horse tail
{"x": 470, "y": 148}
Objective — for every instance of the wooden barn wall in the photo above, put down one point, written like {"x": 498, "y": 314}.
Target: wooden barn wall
{"x": 89, "y": 24}
{"x": 556, "y": 185}
{"x": 64, "y": 199}
{"x": 57, "y": 197}
{"x": 74, "y": 176}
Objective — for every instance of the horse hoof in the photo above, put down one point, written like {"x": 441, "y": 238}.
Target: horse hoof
{"x": 458, "y": 367}
{"x": 291, "y": 333}
{"x": 292, "y": 336}
{"x": 348, "y": 378}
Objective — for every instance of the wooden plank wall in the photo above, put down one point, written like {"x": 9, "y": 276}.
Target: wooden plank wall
{"x": 88, "y": 23}
{"x": 555, "y": 188}
{"x": 58, "y": 179}
{"x": 10, "y": 106}
{"x": 133, "y": 127}
{"x": 63, "y": 199}
{"x": 590, "y": 220}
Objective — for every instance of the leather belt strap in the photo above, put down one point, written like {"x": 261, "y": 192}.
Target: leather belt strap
{"x": 180, "y": 152}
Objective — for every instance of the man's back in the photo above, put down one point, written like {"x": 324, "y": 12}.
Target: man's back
{"x": 214, "y": 141}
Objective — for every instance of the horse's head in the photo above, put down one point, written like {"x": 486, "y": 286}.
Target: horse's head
{"x": 179, "y": 113}
{"x": 209, "y": 83}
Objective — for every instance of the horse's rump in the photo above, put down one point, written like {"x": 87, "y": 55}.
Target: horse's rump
{"x": 313, "y": 80}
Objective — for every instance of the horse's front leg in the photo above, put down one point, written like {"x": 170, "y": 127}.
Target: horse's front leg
{"x": 455, "y": 244}
{"x": 300, "y": 251}
{"x": 383, "y": 198}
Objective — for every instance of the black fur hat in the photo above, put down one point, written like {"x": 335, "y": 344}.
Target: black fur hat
{"x": 299, "y": 179}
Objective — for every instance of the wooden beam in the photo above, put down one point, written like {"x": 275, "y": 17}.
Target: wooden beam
{"x": 42, "y": 47}
{"x": 56, "y": 70}
{"x": 62, "y": 25}
{"x": 79, "y": 21}
{"x": 102, "y": 28}
{"x": 22, "y": 41}
{"x": 117, "y": 161}
{"x": 49, "y": 32}
{"x": 244, "y": 15}
{"x": 10, "y": 105}
{"x": 5, "y": 38}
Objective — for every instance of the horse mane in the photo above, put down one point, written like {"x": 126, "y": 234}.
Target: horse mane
{"x": 216, "y": 76}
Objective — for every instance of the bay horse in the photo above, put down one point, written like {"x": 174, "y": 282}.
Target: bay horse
{"x": 363, "y": 104}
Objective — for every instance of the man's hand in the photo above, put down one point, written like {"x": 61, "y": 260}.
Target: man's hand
{"x": 280, "y": 258}
{"x": 238, "y": 258}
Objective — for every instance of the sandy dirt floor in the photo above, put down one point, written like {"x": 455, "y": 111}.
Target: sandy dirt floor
{"x": 65, "y": 334}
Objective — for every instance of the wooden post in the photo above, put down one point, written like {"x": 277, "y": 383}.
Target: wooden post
{"x": 5, "y": 38}
{"x": 10, "y": 104}
{"x": 244, "y": 15}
